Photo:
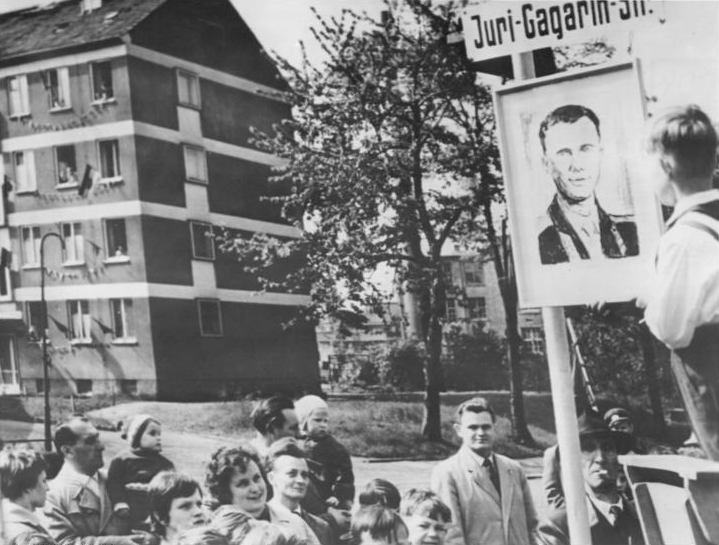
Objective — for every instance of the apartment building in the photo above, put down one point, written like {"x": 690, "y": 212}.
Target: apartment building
{"x": 474, "y": 301}
{"x": 125, "y": 130}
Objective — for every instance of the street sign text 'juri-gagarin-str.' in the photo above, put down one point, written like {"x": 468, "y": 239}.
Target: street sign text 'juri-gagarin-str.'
{"x": 493, "y": 29}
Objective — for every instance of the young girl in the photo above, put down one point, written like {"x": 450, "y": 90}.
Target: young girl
{"x": 328, "y": 459}
{"x": 378, "y": 525}
{"x": 132, "y": 470}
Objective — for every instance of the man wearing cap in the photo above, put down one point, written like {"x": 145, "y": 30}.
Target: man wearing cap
{"x": 612, "y": 518}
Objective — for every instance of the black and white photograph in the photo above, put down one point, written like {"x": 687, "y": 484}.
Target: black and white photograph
{"x": 359, "y": 272}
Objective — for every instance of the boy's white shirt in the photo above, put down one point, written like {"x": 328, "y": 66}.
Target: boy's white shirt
{"x": 684, "y": 293}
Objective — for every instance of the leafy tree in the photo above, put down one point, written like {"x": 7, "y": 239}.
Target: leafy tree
{"x": 371, "y": 156}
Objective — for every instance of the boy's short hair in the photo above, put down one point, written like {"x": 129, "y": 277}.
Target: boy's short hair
{"x": 474, "y": 405}
{"x": 380, "y": 522}
{"x": 424, "y": 502}
{"x": 165, "y": 487}
{"x": 267, "y": 415}
{"x": 19, "y": 471}
{"x": 260, "y": 532}
{"x": 380, "y": 492}
{"x": 225, "y": 461}
{"x": 686, "y": 134}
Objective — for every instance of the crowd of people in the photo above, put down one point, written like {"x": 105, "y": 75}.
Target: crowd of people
{"x": 294, "y": 484}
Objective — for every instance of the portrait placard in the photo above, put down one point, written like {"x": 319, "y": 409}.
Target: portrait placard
{"x": 584, "y": 220}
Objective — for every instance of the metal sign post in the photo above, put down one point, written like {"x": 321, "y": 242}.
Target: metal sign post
{"x": 562, "y": 386}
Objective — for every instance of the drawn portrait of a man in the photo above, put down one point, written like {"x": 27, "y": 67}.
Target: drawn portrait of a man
{"x": 575, "y": 225}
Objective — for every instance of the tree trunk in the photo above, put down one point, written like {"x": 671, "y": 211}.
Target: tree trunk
{"x": 431, "y": 422}
{"x": 433, "y": 304}
{"x": 653, "y": 385}
{"x": 520, "y": 430}
{"x": 508, "y": 291}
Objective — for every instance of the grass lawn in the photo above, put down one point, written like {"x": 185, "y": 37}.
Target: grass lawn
{"x": 368, "y": 428}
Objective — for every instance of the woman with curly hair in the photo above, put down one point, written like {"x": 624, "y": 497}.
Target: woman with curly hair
{"x": 176, "y": 505}
{"x": 236, "y": 481}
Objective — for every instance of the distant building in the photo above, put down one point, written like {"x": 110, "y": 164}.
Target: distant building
{"x": 477, "y": 303}
{"x": 124, "y": 127}
{"x": 473, "y": 303}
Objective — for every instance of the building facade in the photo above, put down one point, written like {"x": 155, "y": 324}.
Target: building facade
{"x": 474, "y": 302}
{"x": 125, "y": 129}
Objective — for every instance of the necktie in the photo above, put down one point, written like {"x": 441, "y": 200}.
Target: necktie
{"x": 493, "y": 475}
{"x": 614, "y": 512}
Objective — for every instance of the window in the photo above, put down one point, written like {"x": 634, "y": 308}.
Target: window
{"x": 74, "y": 243}
{"x": 33, "y": 319}
{"x": 116, "y": 239}
{"x": 66, "y": 165}
{"x": 39, "y": 386}
{"x": 447, "y": 272}
{"x": 210, "y": 317}
{"x": 195, "y": 164}
{"x": 19, "y": 97}
{"x": 83, "y": 386}
{"x": 476, "y": 308}
{"x": 102, "y": 90}
{"x": 188, "y": 89}
{"x": 31, "y": 246}
{"x": 472, "y": 272}
{"x": 203, "y": 244}
{"x": 57, "y": 83}
{"x": 122, "y": 319}
{"x": 24, "y": 166}
{"x": 450, "y": 314}
{"x": 80, "y": 320}
{"x": 109, "y": 160}
{"x": 533, "y": 338}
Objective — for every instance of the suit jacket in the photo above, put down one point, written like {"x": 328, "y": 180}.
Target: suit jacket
{"x": 627, "y": 531}
{"x": 552, "y": 478}
{"x": 618, "y": 236}
{"x": 76, "y": 514}
{"x": 479, "y": 515}
{"x": 19, "y": 520}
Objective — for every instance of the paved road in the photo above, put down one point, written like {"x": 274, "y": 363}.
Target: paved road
{"x": 190, "y": 452}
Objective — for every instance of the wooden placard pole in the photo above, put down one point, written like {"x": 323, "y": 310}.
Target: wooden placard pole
{"x": 562, "y": 385}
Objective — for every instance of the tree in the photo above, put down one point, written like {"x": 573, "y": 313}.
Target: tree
{"x": 374, "y": 173}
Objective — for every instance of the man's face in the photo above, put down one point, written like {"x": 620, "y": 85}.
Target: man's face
{"x": 599, "y": 463}
{"x": 86, "y": 453}
{"x": 572, "y": 158}
{"x": 289, "y": 478}
{"x": 476, "y": 430}
{"x": 290, "y": 427}
{"x": 623, "y": 425}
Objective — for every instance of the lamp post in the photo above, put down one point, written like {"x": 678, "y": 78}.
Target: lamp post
{"x": 43, "y": 323}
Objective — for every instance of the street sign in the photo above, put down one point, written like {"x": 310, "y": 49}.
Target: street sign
{"x": 493, "y": 29}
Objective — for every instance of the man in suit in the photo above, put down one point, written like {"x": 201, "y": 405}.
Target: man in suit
{"x": 612, "y": 518}
{"x": 487, "y": 493}
{"x": 575, "y": 226}
{"x": 78, "y": 509}
{"x": 289, "y": 476}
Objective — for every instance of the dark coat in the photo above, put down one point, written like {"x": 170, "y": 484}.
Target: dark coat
{"x": 618, "y": 235}
{"x": 555, "y": 531}
{"x": 334, "y": 459}
{"x": 134, "y": 466}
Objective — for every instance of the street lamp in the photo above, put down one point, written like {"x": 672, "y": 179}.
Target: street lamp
{"x": 43, "y": 323}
